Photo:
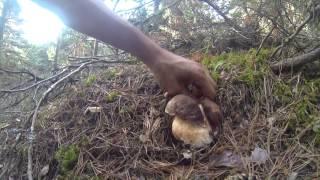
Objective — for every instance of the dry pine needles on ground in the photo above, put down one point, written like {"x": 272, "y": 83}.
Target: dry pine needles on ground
{"x": 130, "y": 136}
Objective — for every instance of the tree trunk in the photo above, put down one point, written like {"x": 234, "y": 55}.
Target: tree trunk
{"x": 56, "y": 56}
{"x": 3, "y": 19}
{"x": 95, "y": 48}
{"x": 156, "y": 6}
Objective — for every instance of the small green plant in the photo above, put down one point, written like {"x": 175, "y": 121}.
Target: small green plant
{"x": 111, "y": 96}
{"x": 282, "y": 92}
{"x": 110, "y": 73}
{"x": 304, "y": 110}
{"x": 67, "y": 157}
{"x": 90, "y": 80}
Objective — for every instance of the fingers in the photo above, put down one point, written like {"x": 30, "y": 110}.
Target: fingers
{"x": 205, "y": 83}
{"x": 213, "y": 113}
{"x": 207, "y": 87}
{"x": 172, "y": 89}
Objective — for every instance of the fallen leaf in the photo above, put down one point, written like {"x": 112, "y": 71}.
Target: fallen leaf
{"x": 4, "y": 125}
{"x": 187, "y": 155}
{"x": 259, "y": 156}
{"x": 226, "y": 159}
{"x": 93, "y": 110}
{"x": 143, "y": 138}
{"x": 293, "y": 176}
{"x": 44, "y": 171}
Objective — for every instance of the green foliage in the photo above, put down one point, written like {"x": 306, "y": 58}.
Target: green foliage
{"x": 306, "y": 114}
{"x": 311, "y": 88}
{"x": 90, "y": 80}
{"x": 304, "y": 110}
{"x": 111, "y": 73}
{"x": 249, "y": 67}
{"x": 67, "y": 157}
{"x": 282, "y": 92}
{"x": 111, "y": 96}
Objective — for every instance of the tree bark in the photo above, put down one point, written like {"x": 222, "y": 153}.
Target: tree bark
{"x": 55, "y": 63}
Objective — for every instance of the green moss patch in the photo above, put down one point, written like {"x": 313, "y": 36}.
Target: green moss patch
{"x": 67, "y": 157}
{"x": 247, "y": 67}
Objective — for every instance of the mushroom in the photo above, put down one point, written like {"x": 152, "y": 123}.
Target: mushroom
{"x": 194, "y": 122}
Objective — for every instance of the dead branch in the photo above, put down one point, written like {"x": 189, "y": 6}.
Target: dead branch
{"x": 35, "y": 84}
{"x": 22, "y": 72}
{"x": 300, "y": 27}
{"x": 297, "y": 61}
{"x": 135, "y": 8}
{"x": 34, "y": 117}
{"x": 223, "y": 15}
{"x": 160, "y": 12}
{"x": 264, "y": 39}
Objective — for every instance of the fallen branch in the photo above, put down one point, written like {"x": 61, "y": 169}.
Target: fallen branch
{"x": 297, "y": 61}
{"x": 59, "y": 74}
{"x": 34, "y": 117}
{"x": 21, "y": 72}
{"x": 33, "y": 85}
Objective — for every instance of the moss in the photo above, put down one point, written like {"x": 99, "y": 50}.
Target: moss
{"x": 111, "y": 96}
{"x": 90, "y": 80}
{"x": 67, "y": 157}
{"x": 250, "y": 68}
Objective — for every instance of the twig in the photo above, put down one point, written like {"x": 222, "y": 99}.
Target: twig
{"x": 292, "y": 36}
{"x": 62, "y": 72}
{"x": 33, "y": 85}
{"x": 225, "y": 17}
{"x": 135, "y": 8}
{"x": 264, "y": 39}
{"x": 21, "y": 72}
{"x": 160, "y": 12}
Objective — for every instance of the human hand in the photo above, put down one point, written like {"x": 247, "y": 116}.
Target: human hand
{"x": 176, "y": 75}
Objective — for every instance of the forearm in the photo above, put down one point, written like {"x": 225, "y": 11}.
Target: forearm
{"x": 93, "y": 18}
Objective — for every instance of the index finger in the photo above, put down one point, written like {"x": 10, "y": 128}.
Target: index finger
{"x": 207, "y": 86}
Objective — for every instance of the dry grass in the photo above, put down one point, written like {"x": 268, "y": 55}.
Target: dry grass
{"x": 131, "y": 137}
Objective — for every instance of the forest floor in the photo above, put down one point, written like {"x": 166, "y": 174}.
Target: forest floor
{"x": 269, "y": 128}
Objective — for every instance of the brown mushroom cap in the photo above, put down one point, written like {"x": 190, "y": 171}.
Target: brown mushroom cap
{"x": 185, "y": 108}
{"x": 195, "y": 121}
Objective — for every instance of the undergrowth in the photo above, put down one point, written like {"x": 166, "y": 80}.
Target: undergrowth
{"x": 298, "y": 93}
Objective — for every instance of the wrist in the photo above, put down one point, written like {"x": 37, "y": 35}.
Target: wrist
{"x": 158, "y": 59}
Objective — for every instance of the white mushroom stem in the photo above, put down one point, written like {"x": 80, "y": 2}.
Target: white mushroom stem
{"x": 204, "y": 116}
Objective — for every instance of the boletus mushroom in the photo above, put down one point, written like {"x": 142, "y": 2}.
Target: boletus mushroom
{"x": 195, "y": 121}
